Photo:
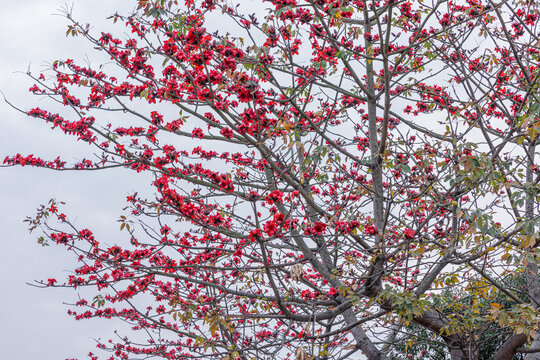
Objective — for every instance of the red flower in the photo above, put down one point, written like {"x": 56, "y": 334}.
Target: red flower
{"x": 371, "y": 230}
{"x": 228, "y": 133}
{"x": 409, "y": 234}
{"x": 333, "y": 291}
{"x": 197, "y": 132}
{"x": 274, "y": 196}
{"x": 255, "y": 235}
{"x": 316, "y": 229}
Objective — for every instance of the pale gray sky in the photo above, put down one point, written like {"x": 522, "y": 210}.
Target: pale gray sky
{"x": 34, "y": 323}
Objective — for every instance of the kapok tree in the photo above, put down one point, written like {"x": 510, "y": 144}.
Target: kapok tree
{"x": 331, "y": 177}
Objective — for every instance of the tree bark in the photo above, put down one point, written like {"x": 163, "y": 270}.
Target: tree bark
{"x": 535, "y": 345}
{"x": 508, "y": 350}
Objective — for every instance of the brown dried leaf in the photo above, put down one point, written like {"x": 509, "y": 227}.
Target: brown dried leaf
{"x": 300, "y": 354}
{"x": 297, "y": 272}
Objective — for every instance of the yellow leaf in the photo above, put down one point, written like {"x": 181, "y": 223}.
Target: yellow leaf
{"x": 287, "y": 125}
{"x": 531, "y": 241}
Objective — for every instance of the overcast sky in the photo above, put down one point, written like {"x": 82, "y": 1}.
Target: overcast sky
{"x": 34, "y": 323}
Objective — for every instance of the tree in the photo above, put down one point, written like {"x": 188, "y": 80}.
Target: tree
{"x": 416, "y": 342}
{"x": 328, "y": 175}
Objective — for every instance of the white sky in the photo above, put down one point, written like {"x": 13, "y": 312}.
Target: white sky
{"x": 33, "y": 321}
